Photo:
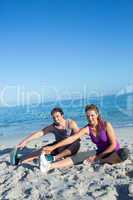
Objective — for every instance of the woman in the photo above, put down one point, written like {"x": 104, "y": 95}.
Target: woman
{"x": 101, "y": 133}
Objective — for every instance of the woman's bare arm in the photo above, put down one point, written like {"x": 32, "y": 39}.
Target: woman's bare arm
{"x": 66, "y": 141}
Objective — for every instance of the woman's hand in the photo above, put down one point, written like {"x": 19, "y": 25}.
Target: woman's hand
{"x": 47, "y": 150}
{"x": 90, "y": 160}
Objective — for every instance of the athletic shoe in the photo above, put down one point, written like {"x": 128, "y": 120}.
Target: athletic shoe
{"x": 50, "y": 158}
{"x": 14, "y": 160}
{"x": 44, "y": 164}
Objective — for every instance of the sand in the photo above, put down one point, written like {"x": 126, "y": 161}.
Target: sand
{"x": 100, "y": 182}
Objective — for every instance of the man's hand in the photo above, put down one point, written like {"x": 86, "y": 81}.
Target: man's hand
{"x": 47, "y": 150}
{"x": 22, "y": 144}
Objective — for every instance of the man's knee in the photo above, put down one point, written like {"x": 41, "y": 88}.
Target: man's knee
{"x": 73, "y": 148}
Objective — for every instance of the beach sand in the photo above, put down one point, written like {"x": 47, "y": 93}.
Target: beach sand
{"x": 100, "y": 182}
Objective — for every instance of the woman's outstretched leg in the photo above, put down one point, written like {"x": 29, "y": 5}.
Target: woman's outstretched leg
{"x": 67, "y": 162}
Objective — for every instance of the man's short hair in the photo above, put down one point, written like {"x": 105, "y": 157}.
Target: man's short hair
{"x": 57, "y": 109}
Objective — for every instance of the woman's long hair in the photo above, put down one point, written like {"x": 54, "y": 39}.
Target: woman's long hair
{"x": 101, "y": 122}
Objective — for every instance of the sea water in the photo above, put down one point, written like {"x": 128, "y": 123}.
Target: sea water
{"x": 22, "y": 120}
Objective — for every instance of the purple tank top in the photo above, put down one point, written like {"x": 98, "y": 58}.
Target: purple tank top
{"x": 102, "y": 141}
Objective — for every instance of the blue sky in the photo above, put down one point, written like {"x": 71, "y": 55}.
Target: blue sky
{"x": 59, "y": 47}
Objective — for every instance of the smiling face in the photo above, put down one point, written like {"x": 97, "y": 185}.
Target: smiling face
{"x": 58, "y": 118}
{"x": 92, "y": 117}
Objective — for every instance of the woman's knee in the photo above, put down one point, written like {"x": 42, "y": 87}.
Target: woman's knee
{"x": 123, "y": 154}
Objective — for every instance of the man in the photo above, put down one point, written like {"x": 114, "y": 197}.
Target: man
{"x": 61, "y": 128}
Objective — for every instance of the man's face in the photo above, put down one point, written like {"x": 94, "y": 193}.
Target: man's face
{"x": 58, "y": 117}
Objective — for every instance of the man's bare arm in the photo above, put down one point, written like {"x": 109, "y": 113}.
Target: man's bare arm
{"x": 35, "y": 135}
{"x": 74, "y": 126}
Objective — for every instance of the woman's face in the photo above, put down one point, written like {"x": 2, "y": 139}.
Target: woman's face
{"x": 92, "y": 117}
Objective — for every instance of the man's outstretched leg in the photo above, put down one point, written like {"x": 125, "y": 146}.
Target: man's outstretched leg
{"x": 33, "y": 156}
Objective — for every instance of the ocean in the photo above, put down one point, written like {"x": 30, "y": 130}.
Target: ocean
{"x": 22, "y": 120}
